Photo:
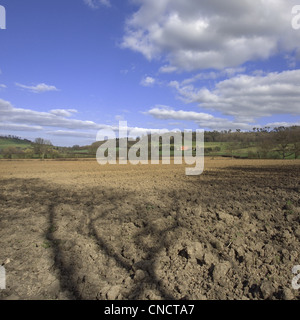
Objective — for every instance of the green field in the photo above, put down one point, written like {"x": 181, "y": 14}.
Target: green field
{"x": 249, "y": 151}
{"x": 213, "y": 149}
{"x": 5, "y": 143}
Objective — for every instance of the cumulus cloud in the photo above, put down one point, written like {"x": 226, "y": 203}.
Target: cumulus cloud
{"x": 18, "y": 116}
{"x": 203, "y": 120}
{"x": 95, "y": 4}
{"x": 76, "y": 134}
{"x": 214, "y": 75}
{"x": 202, "y": 34}
{"x": 282, "y": 124}
{"x": 148, "y": 81}
{"x": 166, "y": 113}
{"x": 19, "y": 127}
{"x": 63, "y": 112}
{"x": 248, "y": 97}
{"x": 39, "y": 88}
{"x": 56, "y": 122}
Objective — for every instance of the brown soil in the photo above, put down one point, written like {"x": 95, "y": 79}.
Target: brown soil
{"x": 78, "y": 230}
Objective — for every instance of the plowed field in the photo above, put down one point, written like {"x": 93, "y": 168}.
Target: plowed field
{"x": 78, "y": 230}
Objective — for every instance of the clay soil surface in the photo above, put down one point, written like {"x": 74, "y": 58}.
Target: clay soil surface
{"x": 78, "y": 230}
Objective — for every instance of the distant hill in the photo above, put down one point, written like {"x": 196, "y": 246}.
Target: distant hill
{"x": 13, "y": 141}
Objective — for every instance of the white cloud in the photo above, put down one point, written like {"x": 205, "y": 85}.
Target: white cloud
{"x": 3, "y": 86}
{"x": 39, "y": 88}
{"x": 19, "y": 127}
{"x": 95, "y": 4}
{"x": 203, "y": 120}
{"x": 163, "y": 112}
{"x": 202, "y": 34}
{"x": 76, "y": 134}
{"x": 18, "y": 116}
{"x": 248, "y": 97}
{"x": 167, "y": 69}
{"x": 63, "y": 112}
{"x": 213, "y": 75}
{"x": 57, "y": 122}
{"x": 148, "y": 81}
{"x": 282, "y": 124}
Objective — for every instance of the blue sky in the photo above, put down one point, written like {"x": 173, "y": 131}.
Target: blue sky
{"x": 69, "y": 68}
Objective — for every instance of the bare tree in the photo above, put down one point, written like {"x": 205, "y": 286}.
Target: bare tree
{"x": 42, "y": 147}
{"x": 295, "y": 141}
{"x": 231, "y": 147}
{"x": 283, "y": 141}
{"x": 9, "y": 152}
{"x": 265, "y": 144}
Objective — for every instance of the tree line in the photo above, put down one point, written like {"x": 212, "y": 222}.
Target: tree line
{"x": 283, "y": 141}
{"x": 40, "y": 147}
{"x": 280, "y": 142}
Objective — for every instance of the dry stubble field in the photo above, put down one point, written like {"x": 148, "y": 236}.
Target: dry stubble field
{"x": 78, "y": 230}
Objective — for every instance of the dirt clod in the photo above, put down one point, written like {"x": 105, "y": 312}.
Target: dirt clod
{"x": 220, "y": 271}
